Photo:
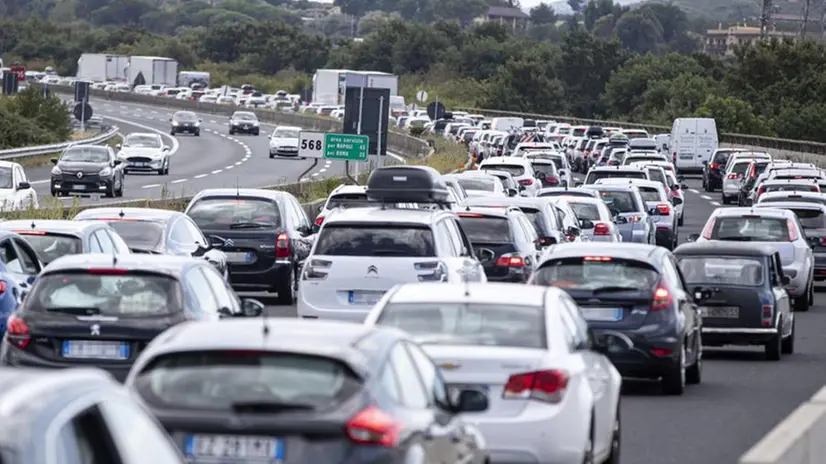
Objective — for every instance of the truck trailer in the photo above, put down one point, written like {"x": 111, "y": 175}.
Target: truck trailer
{"x": 153, "y": 70}
{"x": 329, "y": 85}
{"x": 100, "y": 67}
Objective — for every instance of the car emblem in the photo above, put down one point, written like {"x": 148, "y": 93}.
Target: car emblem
{"x": 229, "y": 242}
{"x": 372, "y": 269}
{"x": 95, "y": 329}
{"x": 79, "y": 175}
{"x": 450, "y": 365}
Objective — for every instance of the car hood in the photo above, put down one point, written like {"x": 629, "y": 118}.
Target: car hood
{"x": 79, "y": 166}
{"x": 140, "y": 151}
{"x": 284, "y": 142}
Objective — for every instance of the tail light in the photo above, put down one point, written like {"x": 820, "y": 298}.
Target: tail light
{"x": 766, "y": 315}
{"x": 706, "y": 233}
{"x": 17, "y": 332}
{"x": 822, "y": 241}
{"x": 792, "y": 230}
{"x": 664, "y": 209}
{"x": 612, "y": 162}
{"x": 317, "y": 269}
{"x": 526, "y": 182}
{"x": 761, "y": 190}
{"x": 733, "y": 176}
{"x": 434, "y": 271}
{"x": 372, "y": 426}
{"x": 510, "y": 260}
{"x": 319, "y": 220}
{"x": 106, "y": 271}
{"x": 282, "y": 246}
{"x": 552, "y": 180}
{"x": 714, "y": 166}
{"x": 601, "y": 229}
{"x": 548, "y": 386}
{"x": 662, "y": 299}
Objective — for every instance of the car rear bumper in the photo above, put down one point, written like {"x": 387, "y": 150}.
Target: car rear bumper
{"x": 714, "y": 178}
{"x": 190, "y": 129}
{"x": 640, "y": 361}
{"x": 243, "y": 279}
{"x": 717, "y": 336}
{"x": 13, "y": 357}
{"x": 307, "y": 310}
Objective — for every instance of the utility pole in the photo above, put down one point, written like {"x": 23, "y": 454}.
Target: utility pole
{"x": 805, "y": 18}
{"x": 765, "y": 18}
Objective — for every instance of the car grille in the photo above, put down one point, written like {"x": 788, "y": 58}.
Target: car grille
{"x": 139, "y": 159}
{"x": 287, "y": 148}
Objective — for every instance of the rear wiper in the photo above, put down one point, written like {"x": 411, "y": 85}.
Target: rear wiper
{"x": 614, "y": 288}
{"x": 269, "y": 406}
{"x": 75, "y": 310}
{"x": 250, "y": 225}
{"x": 388, "y": 252}
{"x": 736, "y": 238}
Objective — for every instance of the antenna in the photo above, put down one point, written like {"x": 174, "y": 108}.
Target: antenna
{"x": 237, "y": 189}
{"x": 33, "y": 225}
{"x": 121, "y": 214}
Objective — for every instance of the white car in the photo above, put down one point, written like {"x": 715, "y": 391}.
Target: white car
{"x": 144, "y": 152}
{"x": 16, "y": 193}
{"x": 342, "y": 197}
{"x": 477, "y": 183}
{"x": 520, "y": 169}
{"x": 553, "y": 395}
{"x": 597, "y": 213}
{"x": 284, "y": 141}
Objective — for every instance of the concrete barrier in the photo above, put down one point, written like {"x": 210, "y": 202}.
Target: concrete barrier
{"x": 799, "y": 439}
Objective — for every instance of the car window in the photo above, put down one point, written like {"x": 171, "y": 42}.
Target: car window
{"x": 370, "y": 240}
{"x": 181, "y": 235}
{"x": 94, "y": 244}
{"x": 444, "y": 240}
{"x": 414, "y": 395}
{"x": 671, "y": 274}
{"x": 201, "y": 291}
{"x": 235, "y": 213}
{"x": 8, "y": 255}
{"x": 487, "y": 229}
{"x": 106, "y": 244}
{"x": 193, "y": 231}
{"x": 219, "y": 287}
{"x": 118, "y": 242}
{"x": 389, "y": 382}
{"x": 138, "y": 437}
{"x": 85, "y": 439}
{"x": 300, "y": 214}
{"x": 529, "y": 231}
{"x": 433, "y": 382}
{"x": 457, "y": 237}
{"x": 28, "y": 258}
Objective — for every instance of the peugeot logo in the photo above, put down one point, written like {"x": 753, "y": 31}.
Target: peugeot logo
{"x": 372, "y": 270}
{"x": 80, "y": 175}
{"x": 95, "y": 329}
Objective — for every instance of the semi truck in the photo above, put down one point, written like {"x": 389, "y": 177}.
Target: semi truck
{"x": 152, "y": 70}
{"x": 329, "y": 85}
{"x": 100, "y": 67}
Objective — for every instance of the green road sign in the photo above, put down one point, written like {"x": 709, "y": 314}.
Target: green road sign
{"x": 346, "y": 147}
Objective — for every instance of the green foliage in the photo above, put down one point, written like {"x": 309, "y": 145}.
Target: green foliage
{"x": 29, "y": 119}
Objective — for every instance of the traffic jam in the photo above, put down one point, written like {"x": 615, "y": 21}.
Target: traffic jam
{"x": 488, "y": 315}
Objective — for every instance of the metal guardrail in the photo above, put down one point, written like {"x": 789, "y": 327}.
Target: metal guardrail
{"x": 25, "y": 152}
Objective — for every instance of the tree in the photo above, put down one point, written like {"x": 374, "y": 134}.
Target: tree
{"x": 733, "y": 115}
{"x": 543, "y": 14}
{"x": 640, "y": 31}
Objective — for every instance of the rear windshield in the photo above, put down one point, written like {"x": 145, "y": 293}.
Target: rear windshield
{"x": 597, "y": 175}
{"x": 739, "y": 168}
{"x": 597, "y": 272}
{"x": 760, "y": 168}
{"x": 536, "y": 218}
{"x": 657, "y": 175}
{"x": 750, "y": 229}
{"x": 557, "y": 161}
{"x": 235, "y": 213}
{"x": 565, "y": 193}
{"x": 514, "y": 169}
{"x": 585, "y": 211}
{"x": 245, "y": 381}
{"x": 722, "y": 156}
{"x": 791, "y": 188}
{"x": 124, "y": 295}
{"x": 620, "y": 202}
{"x": 810, "y": 218}
{"x": 795, "y": 198}
{"x": 795, "y": 176}
{"x": 373, "y": 240}
{"x": 485, "y": 229}
{"x": 469, "y": 324}
{"x": 650, "y": 194}
{"x": 722, "y": 270}
{"x": 546, "y": 168}
{"x": 49, "y": 247}
{"x": 634, "y": 159}
{"x": 484, "y": 184}
{"x": 347, "y": 200}
{"x": 141, "y": 235}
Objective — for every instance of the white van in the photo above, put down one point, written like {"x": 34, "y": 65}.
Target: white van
{"x": 693, "y": 141}
{"x": 506, "y": 124}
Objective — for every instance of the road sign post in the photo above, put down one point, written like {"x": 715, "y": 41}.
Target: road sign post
{"x": 339, "y": 147}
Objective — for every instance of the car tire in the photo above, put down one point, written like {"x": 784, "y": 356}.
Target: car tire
{"x": 197, "y": 133}
{"x": 694, "y": 373}
{"x": 272, "y": 156}
{"x": 774, "y": 348}
{"x": 674, "y": 379}
{"x": 231, "y": 132}
{"x": 787, "y": 344}
{"x": 801, "y": 303}
{"x": 55, "y": 193}
{"x": 172, "y": 133}
{"x": 680, "y": 221}
{"x": 724, "y": 200}
{"x": 119, "y": 191}
{"x": 588, "y": 455}
{"x": 256, "y": 132}
{"x": 110, "y": 189}
{"x": 286, "y": 292}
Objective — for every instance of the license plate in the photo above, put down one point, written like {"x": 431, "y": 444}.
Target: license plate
{"x": 239, "y": 257}
{"x": 93, "y": 349}
{"x": 725, "y": 312}
{"x": 686, "y": 157}
{"x": 140, "y": 165}
{"x": 364, "y": 298}
{"x": 243, "y": 448}
{"x": 79, "y": 187}
{"x": 602, "y": 314}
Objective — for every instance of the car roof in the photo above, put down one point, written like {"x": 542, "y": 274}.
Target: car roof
{"x": 787, "y": 193}
{"x": 566, "y": 189}
{"x": 636, "y": 251}
{"x": 346, "y": 189}
{"x": 749, "y": 211}
{"x": 20, "y": 388}
{"x": 791, "y": 204}
{"x": 485, "y": 211}
{"x": 505, "y": 160}
{"x": 60, "y": 226}
{"x": 722, "y": 247}
{"x": 618, "y": 168}
{"x": 800, "y": 172}
{"x": 637, "y": 182}
{"x": 506, "y": 201}
{"x": 162, "y": 264}
{"x": 490, "y": 292}
{"x": 8, "y": 164}
{"x": 592, "y": 200}
{"x": 770, "y": 181}
{"x": 630, "y": 187}
{"x": 144, "y": 214}
{"x": 385, "y": 215}
{"x": 241, "y": 193}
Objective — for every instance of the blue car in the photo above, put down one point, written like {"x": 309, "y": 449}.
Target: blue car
{"x": 19, "y": 267}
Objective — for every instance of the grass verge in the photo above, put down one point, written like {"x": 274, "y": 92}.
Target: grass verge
{"x": 43, "y": 160}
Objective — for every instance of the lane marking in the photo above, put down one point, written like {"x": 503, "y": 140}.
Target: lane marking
{"x": 705, "y": 197}
{"x": 714, "y": 203}
{"x": 217, "y": 171}
{"x": 151, "y": 186}
{"x": 693, "y": 191}
{"x": 201, "y": 176}
{"x": 178, "y": 181}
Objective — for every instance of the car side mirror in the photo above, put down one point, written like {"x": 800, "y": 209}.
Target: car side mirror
{"x": 484, "y": 255}
{"x": 547, "y": 241}
{"x": 586, "y": 224}
{"x": 251, "y": 307}
{"x": 118, "y": 147}
{"x": 620, "y": 220}
{"x": 225, "y": 312}
{"x": 118, "y": 162}
{"x": 653, "y": 212}
{"x": 304, "y": 229}
{"x": 701, "y": 294}
{"x": 512, "y": 192}
{"x": 573, "y": 231}
{"x": 676, "y": 201}
{"x": 693, "y": 238}
{"x": 217, "y": 242}
{"x": 470, "y": 400}
{"x": 676, "y": 187}
{"x": 24, "y": 186}
{"x": 165, "y": 149}
{"x": 785, "y": 280}
{"x": 813, "y": 241}
{"x": 53, "y": 160}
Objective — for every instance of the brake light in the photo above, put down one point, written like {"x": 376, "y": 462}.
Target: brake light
{"x": 706, "y": 233}
{"x": 17, "y": 332}
{"x": 792, "y": 230}
{"x": 662, "y": 299}
{"x": 508, "y": 260}
{"x": 372, "y": 426}
{"x": 733, "y": 176}
{"x": 552, "y": 180}
{"x": 30, "y": 232}
{"x": 319, "y": 220}
{"x": 282, "y": 246}
{"x": 768, "y": 311}
{"x": 761, "y": 190}
{"x": 714, "y": 166}
{"x": 470, "y": 215}
{"x": 106, "y": 271}
{"x": 548, "y": 386}
{"x": 2, "y": 287}
{"x": 664, "y": 209}
{"x": 823, "y": 241}
{"x": 526, "y": 182}
{"x": 601, "y": 229}
{"x": 597, "y": 258}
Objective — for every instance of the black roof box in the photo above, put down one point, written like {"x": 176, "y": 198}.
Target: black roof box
{"x": 407, "y": 184}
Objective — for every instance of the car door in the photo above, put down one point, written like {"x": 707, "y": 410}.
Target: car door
{"x": 202, "y": 302}
{"x": 137, "y": 437}
{"x": 105, "y": 242}
{"x": 83, "y": 436}
{"x": 24, "y": 197}
{"x": 781, "y": 296}
{"x": 530, "y": 240}
{"x": 304, "y": 237}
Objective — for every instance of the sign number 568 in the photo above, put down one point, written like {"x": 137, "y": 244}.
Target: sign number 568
{"x": 311, "y": 144}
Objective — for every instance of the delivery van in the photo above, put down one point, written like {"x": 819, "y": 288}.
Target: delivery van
{"x": 693, "y": 141}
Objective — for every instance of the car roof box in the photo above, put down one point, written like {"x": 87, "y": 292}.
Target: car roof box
{"x": 407, "y": 184}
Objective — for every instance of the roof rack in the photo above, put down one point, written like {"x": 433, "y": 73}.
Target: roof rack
{"x": 408, "y": 184}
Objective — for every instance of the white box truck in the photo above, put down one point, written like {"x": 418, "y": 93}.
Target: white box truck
{"x": 329, "y": 85}
{"x": 155, "y": 70}
{"x": 100, "y": 67}
{"x": 692, "y": 142}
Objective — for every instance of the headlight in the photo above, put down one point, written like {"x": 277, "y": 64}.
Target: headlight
{"x": 56, "y": 171}
{"x": 255, "y": 123}
{"x": 105, "y": 172}
{"x": 197, "y": 124}
{"x": 174, "y": 123}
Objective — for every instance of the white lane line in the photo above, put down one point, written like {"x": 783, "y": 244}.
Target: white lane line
{"x": 239, "y": 163}
{"x": 154, "y": 112}
{"x": 229, "y": 167}
{"x": 314, "y": 174}
{"x": 693, "y": 191}
{"x": 217, "y": 171}
{"x": 212, "y": 121}
{"x": 151, "y": 186}
{"x": 705, "y": 197}
{"x": 124, "y": 107}
{"x": 178, "y": 181}
{"x": 715, "y": 203}
{"x": 201, "y": 176}
{"x": 322, "y": 170}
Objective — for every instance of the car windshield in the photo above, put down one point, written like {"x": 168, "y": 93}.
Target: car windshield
{"x": 245, "y": 117}
{"x": 285, "y": 134}
{"x": 657, "y": 175}
{"x": 86, "y": 155}
{"x": 750, "y": 228}
{"x": 650, "y": 194}
{"x": 347, "y": 200}
{"x": 619, "y": 201}
{"x": 594, "y": 176}
{"x": 6, "y": 178}
{"x": 810, "y": 218}
{"x": 49, "y": 247}
{"x": 124, "y": 294}
{"x": 245, "y": 381}
{"x": 370, "y": 240}
{"x": 139, "y": 235}
{"x": 739, "y": 168}
{"x": 513, "y": 169}
{"x": 587, "y": 211}
{"x": 142, "y": 141}
{"x": 592, "y": 273}
{"x": 235, "y": 213}
{"x": 505, "y": 325}
{"x": 184, "y": 116}
{"x": 485, "y": 184}
{"x": 485, "y": 229}
{"x": 722, "y": 156}
{"x": 722, "y": 270}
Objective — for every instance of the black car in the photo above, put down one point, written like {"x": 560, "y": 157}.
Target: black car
{"x": 634, "y": 296}
{"x": 37, "y": 403}
{"x": 87, "y": 170}
{"x": 52, "y": 239}
{"x": 185, "y": 122}
{"x": 741, "y": 286}
{"x": 543, "y": 213}
{"x": 267, "y": 235}
{"x": 160, "y": 232}
{"x": 509, "y": 236}
{"x": 244, "y": 122}
{"x": 714, "y": 169}
{"x": 102, "y": 311}
{"x": 240, "y": 391}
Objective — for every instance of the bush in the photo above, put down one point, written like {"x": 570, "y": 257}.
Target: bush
{"x": 417, "y": 131}
{"x": 28, "y": 119}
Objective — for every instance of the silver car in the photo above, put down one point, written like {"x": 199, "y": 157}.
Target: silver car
{"x": 563, "y": 168}
{"x": 626, "y": 204}
{"x": 778, "y": 227}
{"x": 659, "y": 208}
{"x": 567, "y": 192}
{"x": 604, "y": 228}
{"x": 733, "y": 180}
{"x": 812, "y": 217}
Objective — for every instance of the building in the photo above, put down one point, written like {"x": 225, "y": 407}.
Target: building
{"x": 723, "y": 41}
{"x": 513, "y": 18}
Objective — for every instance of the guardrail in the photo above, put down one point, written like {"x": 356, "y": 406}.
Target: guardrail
{"x": 25, "y": 152}
{"x": 405, "y": 145}
{"x": 799, "y": 439}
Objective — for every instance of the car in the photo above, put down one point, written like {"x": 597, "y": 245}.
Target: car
{"x": 544, "y": 215}
{"x": 734, "y": 179}
{"x": 244, "y": 122}
{"x": 780, "y": 185}
{"x": 360, "y": 253}
{"x": 743, "y": 299}
{"x": 749, "y": 183}
{"x": 567, "y": 192}
{"x": 532, "y": 351}
{"x": 626, "y": 202}
{"x": 52, "y": 239}
{"x": 635, "y": 293}
{"x": 265, "y": 233}
{"x": 19, "y": 268}
{"x": 625, "y": 172}
{"x": 676, "y": 195}
{"x": 87, "y": 170}
{"x": 102, "y": 310}
{"x": 144, "y": 152}
{"x": 714, "y": 168}
{"x": 603, "y": 226}
{"x": 458, "y": 193}
{"x": 160, "y": 232}
{"x": 815, "y": 175}
{"x": 797, "y": 197}
{"x": 344, "y": 196}
{"x": 185, "y": 122}
{"x": 563, "y": 169}
{"x": 746, "y": 155}
{"x": 304, "y": 391}
{"x": 812, "y": 217}
{"x": 634, "y": 157}
{"x": 520, "y": 168}
{"x": 525, "y": 149}
{"x": 777, "y": 227}
{"x": 52, "y": 415}
{"x": 659, "y": 207}
{"x": 509, "y": 183}
{"x": 16, "y": 192}
{"x": 478, "y": 183}
{"x": 546, "y": 172}
{"x": 284, "y": 141}
{"x": 568, "y": 220}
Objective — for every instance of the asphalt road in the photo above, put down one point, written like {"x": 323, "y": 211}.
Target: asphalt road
{"x": 741, "y": 398}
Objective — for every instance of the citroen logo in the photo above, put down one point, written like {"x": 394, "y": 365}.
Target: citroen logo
{"x": 95, "y": 329}
{"x": 450, "y": 365}
{"x": 228, "y": 242}
{"x": 80, "y": 175}
{"x": 372, "y": 269}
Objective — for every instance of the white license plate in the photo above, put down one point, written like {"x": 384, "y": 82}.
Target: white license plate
{"x": 686, "y": 157}
{"x": 79, "y": 187}
{"x": 140, "y": 165}
{"x": 602, "y": 314}
{"x": 724, "y": 312}
{"x": 238, "y": 257}
{"x": 92, "y": 349}
{"x": 364, "y": 298}
{"x": 260, "y": 449}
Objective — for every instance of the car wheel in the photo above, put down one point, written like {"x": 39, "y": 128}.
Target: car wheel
{"x": 588, "y": 455}
{"x": 286, "y": 292}
{"x": 801, "y": 303}
{"x": 55, "y": 193}
{"x": 673, "y": 380}
{"x": 119, "y": 192}
{"x": 231, "y": 132}
{"x": 787, "y": 345}
{"x": 272, "y": 156}
{"x": 110, "y": 189}
{"x": 724, "y": 200}
{"x": 680, "y": 221}
{"x": 197, "y": 133}
{"x": 256, "y": 132}
{"x": 694, "y": 374}
{"x": 774, "y": 347}
{"x": 172, "y": 133}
